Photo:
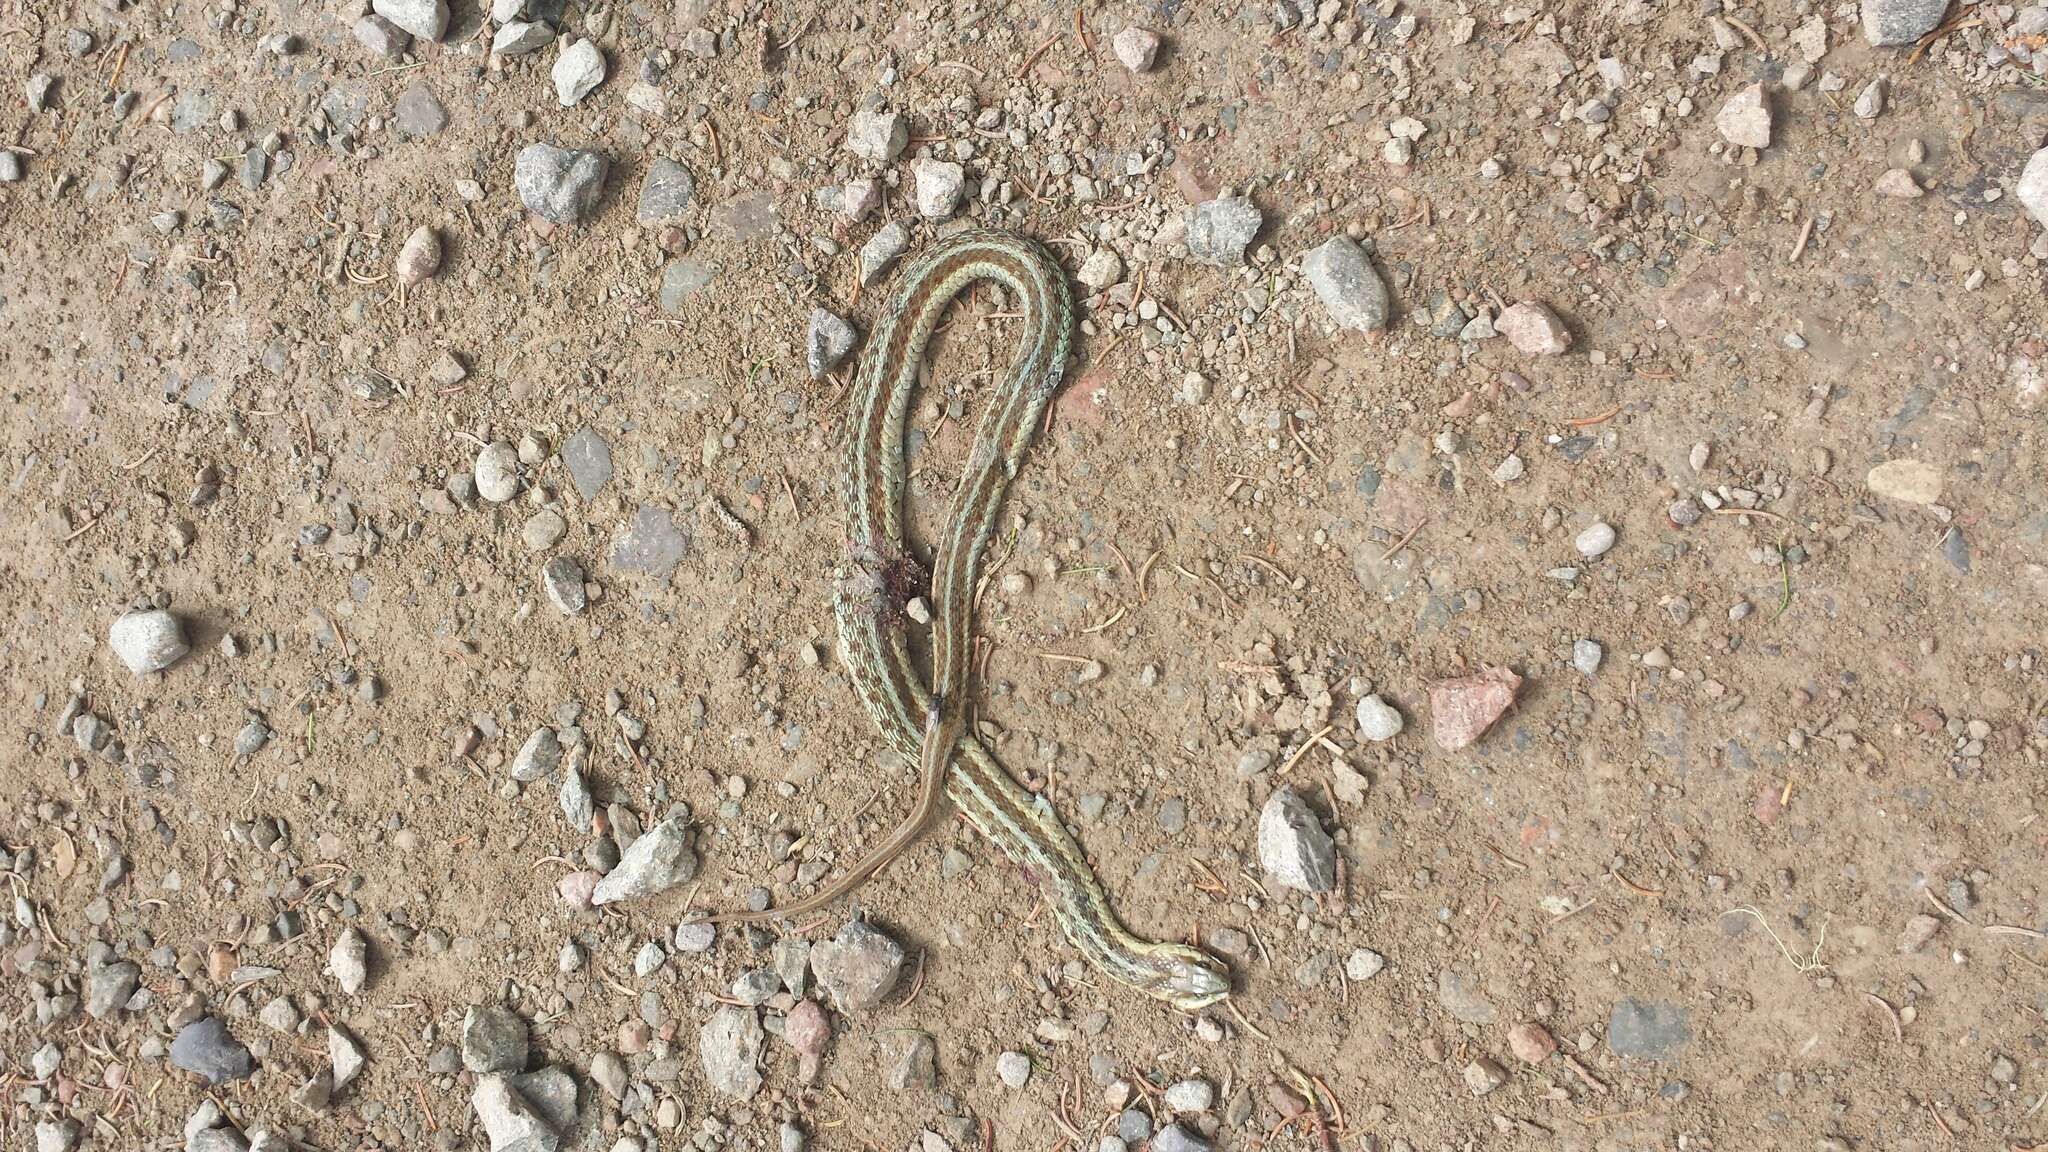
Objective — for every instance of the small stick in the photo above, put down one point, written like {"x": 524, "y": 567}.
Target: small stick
{"x": 1145, "y": 570}
{"x": 1579, "y": 1070}
{"x": 1634, "y": 887}
{"x": 1116, "y": 616}
{"x": 1898, "y": 1030}
{"x": 1589, "y": 421}
{"x": 1936, "y": 1113}
{"x": 1947, "y": 911}
{"x": 1737, "y": 24}
{"x": 114, "y": 81}
{"x": 1799, "y": 246}
{"x": 1019, "y": 75}
{"x": 1750, "y": 512}
{"x": 1390, "y": 553}
{"x": 1304, "y": 749}
{"x": 917, "y": 983}
{"x": 2013, "y": 930}
{"x": 81, "y": 529}
{"x": 1268, "y": 565}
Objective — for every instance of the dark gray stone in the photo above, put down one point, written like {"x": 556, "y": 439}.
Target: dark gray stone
{"x": 205, "y": 1048}
{"x": 559, "y": 184}
{"x": 666, "y": 192}
{"x": 1649, "y": 1029}
{"x": 588, "y": 457}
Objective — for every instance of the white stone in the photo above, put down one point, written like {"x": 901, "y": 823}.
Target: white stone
{"x": 1013, "y": 1069}
{"x": 1137, "y": 47}
{"x": 1595, "y": 539}
{"x": 1378, "y": 720}
{"x": 497, "y": 472}
{"x": 1907, "y": 481}
{"x": 1534, "y": 329}
{"x": 1348, "y": 285}
{"x": 578, "y": 70}
{"x": 939, "y": 184}
{"x": 148, "y": 641}
{"x": 349, "y": 959}
{"x": 877, "y": 137}
{"x": 2033, "y": 187}
{"x": 1745, "y": 120}
{"x": 427, "y": 19}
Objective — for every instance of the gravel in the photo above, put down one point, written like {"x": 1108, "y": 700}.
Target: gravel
{"x": 383, "y": 38}
{"x": 939, "y": 184}
{"x": 1745, "y": 120}
{"x": 1534, "y": 329}
{"x": 426, "y": 19}
{"x": 521, "y": 37}
{"x": 538, "y": 758}
{"x": 1378, "y": 720}
{"x": 1907, "y": 481}
{"x": 1346, "y": 282}
{"x": 858, "y": 967}
{"x": 344, "y": 1056}
{"x": 1293, "y": 848}
{"x": 1586, "y": 656}
{"x": 1191, "y": 1096}
{"x": 666, "y": 191}
{"x": 1364, "y": 964}
{"x": 827, "y": 341}
{"x": 877, "y": 136}
{"x": 1013, "y": 1069}
{"x": 729, "y": 1047}
{"x": 659, "y": 860}
{"x": 588, "y": 457}
{"x": 1462, "y": 709}
{"x": 493, "y": 1039}
{"x": 1889, "y": 23}
{"x": 1176, "y": 1138}
{"x": 148, "y": 641}
{"x": 108, "y": 987}
{"x": 497, "y": 472}
{"x": 1220, "y": 230}
{"x": 560, "y": 185}
{"x": 562, "y": 579}
{"x": 882, "y": 250}
{"x": 418, "y": 113}
{"x": 349, "y": 960}
{"x": 578, "y": 71}
{"x": 1594, "y": 540}
{"x": 511, "y": 1124}
{"x": 205, "y": 1048}
{"x": 1137, "y": 47}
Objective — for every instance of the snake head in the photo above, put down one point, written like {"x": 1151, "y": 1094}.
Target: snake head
{"x": 1187, "y": 978}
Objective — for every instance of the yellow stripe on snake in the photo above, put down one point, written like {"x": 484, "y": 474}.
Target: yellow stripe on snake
{"x": 930, "y": 723}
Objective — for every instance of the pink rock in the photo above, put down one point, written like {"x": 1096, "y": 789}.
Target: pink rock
{"x": 1462, "y": 710}
{"x": 807, "y": 1028}
{"x": 1137, "y": 47}
{"x": 1531, "y": 1042}
{"x": 577, "y": 887}
{"x": 1534, "y": 329}
{"x": 1898, "y": 184}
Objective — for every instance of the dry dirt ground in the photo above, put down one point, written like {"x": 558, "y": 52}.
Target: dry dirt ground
{"x": 1771, "y": 874}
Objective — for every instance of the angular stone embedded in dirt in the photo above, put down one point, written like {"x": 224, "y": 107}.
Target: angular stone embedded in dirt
{"x": 426, "y": 19}
{"x": 1745, "y": 120}
{"x": 1218, "y": 231}
{"x": 653, "y": 543}
{"x": 344, "y": 1055}
{"x": 1534, "y": 329}
{"x": 577, "y": 72}
{"x": 877, "y": 136}
{"x": 1907, "y": 481}
{"x": 1137, "y": 47}
{"x": 1293, "y": 848}
{"x": 108, "y": 987}
{"x": 1896, "y": 22}
{"x": 1531, "y": 1042}
{"x": 560, "y": 185}
{"x": 512, "y": 1124}
{"x": 204, "y": 1047}
{"x": 1649, "y": 1029}
{"x": 2032, "y": 189}
{"x": 493, "y": 1039}
{"x": 666, "y": 191}
{"x": 1461, "y": 710}
{"x": 729, "y": 1048}
{"x": 148, "y": 641}
{"x": 588, "y": 457}
{"x": 349, "y": 960}
{"x": 858, "y": 967}
{"x": 1346, "y": 282}
{"x": 1461, "y": 996}
{"x": 659, "y": 860}
{"x": 827, "y": 342}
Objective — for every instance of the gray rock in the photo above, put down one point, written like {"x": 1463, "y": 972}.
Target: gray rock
{"x": 1595, "y": 540}
{"x": 2032, "y": 190}
{"x": 253, "y": 736}
{"x": 58, "y": 1135}
{"x": 588, "y": 457}
{"x": 679, "y": 281}
{"x": 316, "y": 1093}
{"x": 1102, "y": 268}
{"x": 1462, "y": 997}
{"x": 552, "y": 1092}
{"x": 1484, "y": 1075}
{"x": 205, "y": 1048}
{"x": 216, "y": 1140}
{"x": 858, "y": 967}
{"x": 1191, "y": 1096}
{"x": 1346, "y": 282}
{"x": 654, "y": 543}
{"x": 578, "y": 71}
{"x": 493, "y": 1039}
{"x": 497, "y": 472}
{"x": 828, "y": 342}
{"x": 538, "y": 758}
{"x": 520, "y": 37}
{"x": 1014, "y": 1069}
{"x": 349, "y": 960}
{"x": 419, "y": 112}
{"x": 10, "y": 167}
{"x": 38, "y": 90}
{"x": 562, "y": 578}
{"x": 666, "y": 192}
{"x": 757, "y": 986}
{"x": 381, "y": 36}
{"x": 559, "y": 184}
{"x": 108, "y": 987}
{"x": 938, "y": 185}
{"x": 729, "y": 1048}
{"x": 1586, "y": 656}
{"x": 648, "y": 960}
{"x": 913, "y": 1060}
{"x": 659, "y": 860}
{"x": 1175, "y": 1138}
{"x": 792, "y": 958}
{"x": 1378, "y": 720}
{"x": 1364, "y": 964}
{"x": 511, "y": 1124}
{"x": 344, "y": 1056}
{"x": 1895, "y": 22}
{"x": 876, "y": 136}
{"x": 577, "y": 806}
{"x": 608, "y": 1072}
{"x": 426, "y": 19}
{"x": 543, "y": 530}
{"x": 1649, "y": 1029}
{"x": 148, "y": 641}
{"x": 1293, "y": 848}
{"x": 694, "y": 936}
{"x": 882, "y": 249}
{"x": 1220, "y": 230}
{"x": 280, "y": 1015}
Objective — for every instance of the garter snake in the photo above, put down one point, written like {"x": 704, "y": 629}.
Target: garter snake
{"x": 928, "y": 723}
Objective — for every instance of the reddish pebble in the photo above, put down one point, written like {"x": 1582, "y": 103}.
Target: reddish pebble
{"x": 634, "y": 1036}
{"x": 577, "y": 887}
{"x": 1531, "y": 1042}
{"x": 1462, "y": 710}
{"x": 220, "y": 964}
{"x": 807, "y": 1028}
